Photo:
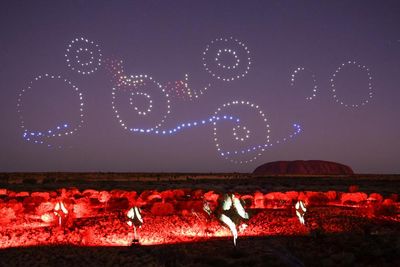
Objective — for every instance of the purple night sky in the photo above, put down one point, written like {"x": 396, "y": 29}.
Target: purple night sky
{"x": 166, "y": 40}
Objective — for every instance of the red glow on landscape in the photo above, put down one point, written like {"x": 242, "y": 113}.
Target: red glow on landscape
{"x": 99, "y": 218}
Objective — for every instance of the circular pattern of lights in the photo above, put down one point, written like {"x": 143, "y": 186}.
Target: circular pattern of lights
{"x": 62, "y": 129}
{"x": 256, "y": 150}
{"x": 135, "y": 82}
{"x": 241, "y": 133}
{"x": 314, "y": 79}
{"x": 83, "y": 56}
{"x": 215, "y": 54}
{"x": 147, "y": 96}
{"x": 370, "y": 87}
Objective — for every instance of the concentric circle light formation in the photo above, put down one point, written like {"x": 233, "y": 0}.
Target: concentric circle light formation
{"x": 314, "y": 79}
{"x": 83, "y": 56}
{"x": 227, "y": 59}
{"x": 241, "y": 134}
{"x": 141, "y": 105}
{"x": 42, "y": 136}
{"x": 334, "y": 87}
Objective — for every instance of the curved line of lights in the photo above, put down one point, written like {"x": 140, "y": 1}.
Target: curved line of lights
{"x": 75, "y": 60}
{"x": 63, "y": 129}
{"x": 84, "y": 56}
{"x": 213, "y": 63}
{"x": 333, "y": 86}
{"x": 315, "y": 85}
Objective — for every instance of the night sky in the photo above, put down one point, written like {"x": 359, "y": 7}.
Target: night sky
{"x": 258, "y": 43}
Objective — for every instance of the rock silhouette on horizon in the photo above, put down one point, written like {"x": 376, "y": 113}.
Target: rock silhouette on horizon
{"x": 303, "y": 167}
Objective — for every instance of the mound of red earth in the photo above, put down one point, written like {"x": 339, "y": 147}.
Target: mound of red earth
{"x": 303, "y": 167}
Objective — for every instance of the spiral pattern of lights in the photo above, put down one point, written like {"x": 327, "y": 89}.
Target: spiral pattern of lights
{"x": 216, "y": 63}
{"x": 141, "y": 87}
{"x": 334, "y": 90}
{"x": 62, "y": 129}
{"x": 252, "y": 152}
{"x": 83, "y": 56}
{"x": 314, "y": 79}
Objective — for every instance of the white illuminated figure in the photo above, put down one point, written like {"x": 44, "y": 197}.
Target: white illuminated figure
{"x": 231, "y": 212}
{"x": 61, "y": 212}
{"x": 334, "y": 87}
{"x": 301, "y": 210}
{"x": 134, "y": 220}
{"x": 314, "y": 79}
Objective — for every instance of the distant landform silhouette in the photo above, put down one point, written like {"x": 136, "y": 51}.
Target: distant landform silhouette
{"x": 303, "y": 167}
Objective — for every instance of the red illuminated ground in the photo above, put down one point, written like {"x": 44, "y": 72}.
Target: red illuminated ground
{"x": 174, "y": 218}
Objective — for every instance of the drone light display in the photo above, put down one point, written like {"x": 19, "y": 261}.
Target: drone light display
{"x": 83, "y": 55}
{"x": 134, "y": 83}
{"x": 314, "y": 79}
{"x": 334, "y": 87}
{"x": 142, "y": 105}
{"x": 227, "y": 59}
{"x": 43, "y": 136}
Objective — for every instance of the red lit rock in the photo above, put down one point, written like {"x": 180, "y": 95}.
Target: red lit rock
{"x": 197, "y": 194}
{"x": 83, "y": 209}
{"x": 293, "y": 195}
{"x": 117, "y": 193}
{"x": 6, "y": 215}
{"x": 162, "y": 209}
{"x": 353, "y": 198}
{"x": 279, "y": 196}
{"x": 259, "y": 200}
{"x": 316, "y": 198}
{"x": 375, "y": 197}
{"x": 331, "y": 195}
{"x": 22, "y": 194}
{"x": 394, "y": 197}
{"x": 167, "y": 195}
{"x": 44, "y": 207}
{"x": 90, "y": 193}
{"x": 248, "y": 200}
{"x": 179, "y": 193}
{"x": 388, "y": 202}
{"x": 118, "y": 203}
{"x": 44, "y": 195}
{"x": 211, "y": 196}
{"x": 301, "y": 167}
{"x": 104, "y": 196}
{"x": 353, "y": 188}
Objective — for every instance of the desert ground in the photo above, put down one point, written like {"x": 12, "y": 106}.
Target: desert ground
{"x": 350, "y": 220}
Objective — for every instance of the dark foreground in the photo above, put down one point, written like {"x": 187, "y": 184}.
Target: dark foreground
{"x": 357, "y": 228}
{"x": 325, "y": 250}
